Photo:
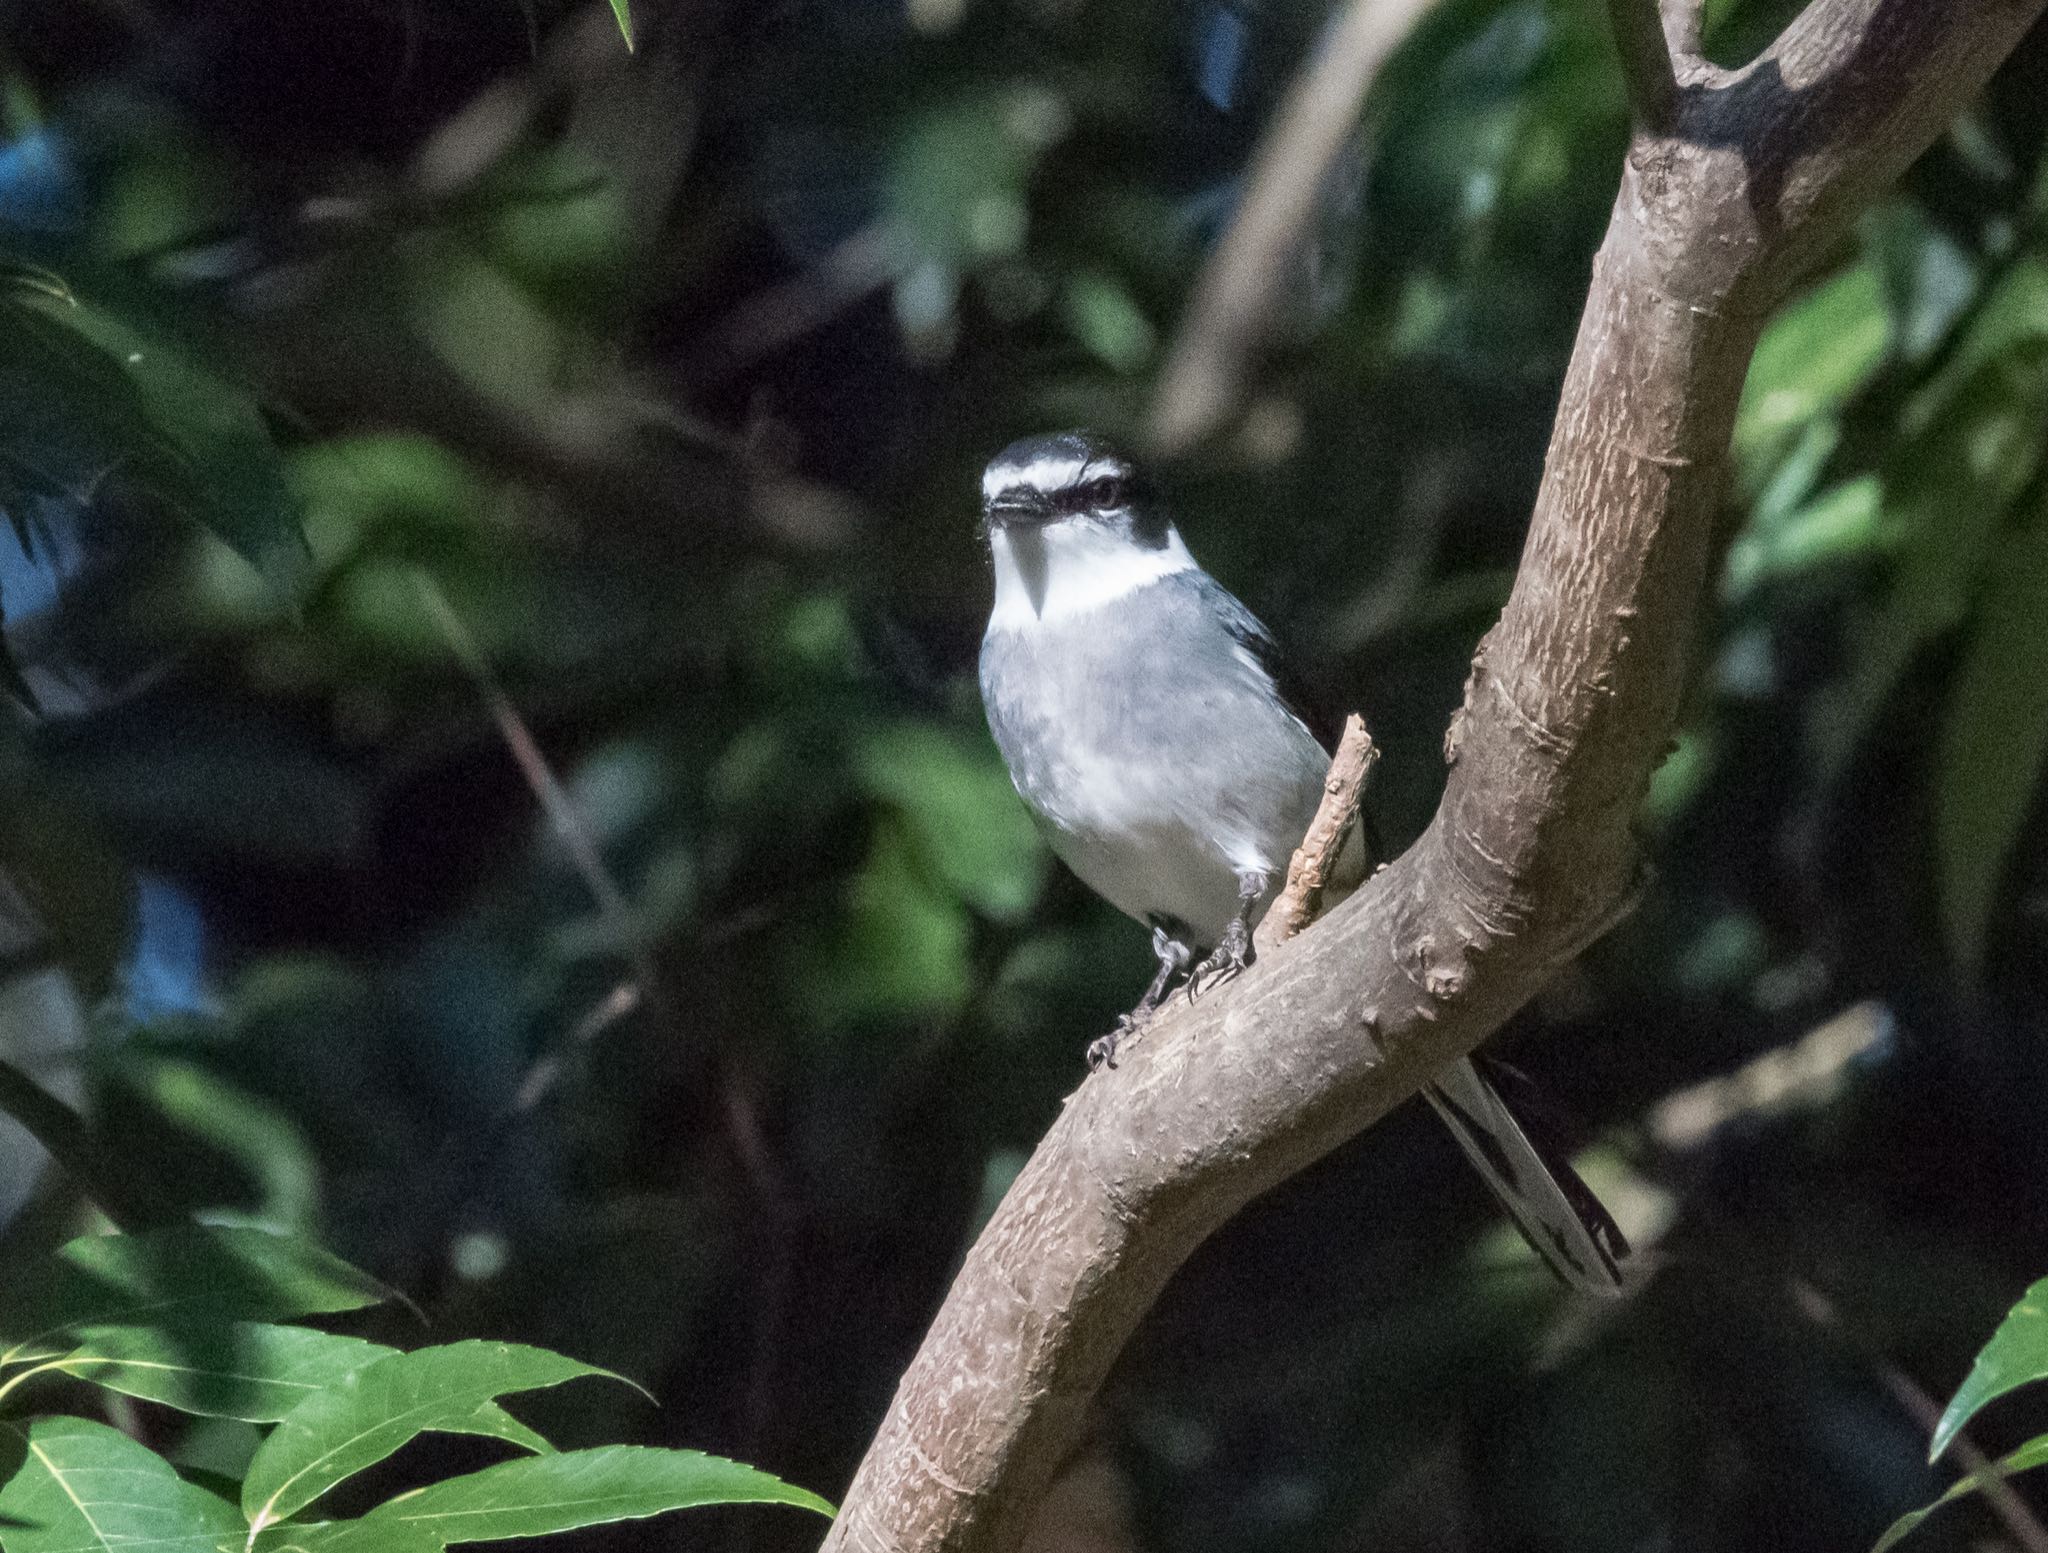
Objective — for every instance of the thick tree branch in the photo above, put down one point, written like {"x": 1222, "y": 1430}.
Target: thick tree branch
{"x": 1570, "y": 704}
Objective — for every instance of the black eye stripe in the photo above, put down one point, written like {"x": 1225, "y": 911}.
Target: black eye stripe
{"x": 1102, "y": 491}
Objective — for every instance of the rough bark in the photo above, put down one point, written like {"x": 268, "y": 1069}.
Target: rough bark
{"x": 1570, "y": 706}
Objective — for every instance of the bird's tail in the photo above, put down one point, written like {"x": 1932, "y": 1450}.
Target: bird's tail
{"x": 1556, "y": 1212}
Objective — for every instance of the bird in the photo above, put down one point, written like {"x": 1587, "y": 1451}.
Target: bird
{"x": 1171, "y": 759}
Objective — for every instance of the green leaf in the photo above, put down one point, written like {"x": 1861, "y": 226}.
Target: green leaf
{"x": 237, "y": 1369}
{"x": 258, "y": 1136}
{"x": 93, "y": 1169}
{"x": 2032, "y": 1454}
{"x": 1843, "y": 523}
{"x": 625, "y": 19}
{"x": 1105, "y": 317}
{"x": 168, "y": 1274}
{"x": 74, "y": 1486}
{"x": 1816, "y": 354}
{"x": 1994, "y": 741}
{"x": 900, "y": 946}
{"x": 85, "y": 399}
{"x": 2016, "y": 1354}
{"x": 538, "y": 1495}
{"x": 960, "y": 814}
{"x": 372, "y": 1413}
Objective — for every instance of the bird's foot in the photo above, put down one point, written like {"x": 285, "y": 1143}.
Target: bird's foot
{"x": 1102, "y": 1050}
{"x": 1228, "y": 958}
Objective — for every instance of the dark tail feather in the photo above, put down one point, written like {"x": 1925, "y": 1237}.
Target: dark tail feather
{"x": 1556, "y": 1212}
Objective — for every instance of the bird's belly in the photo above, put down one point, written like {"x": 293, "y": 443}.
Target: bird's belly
{"x": 1155, "y": 843}
{"x": 1178, "y": 878}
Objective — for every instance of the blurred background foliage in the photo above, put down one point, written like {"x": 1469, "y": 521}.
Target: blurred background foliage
{"x": 495, "y": 778}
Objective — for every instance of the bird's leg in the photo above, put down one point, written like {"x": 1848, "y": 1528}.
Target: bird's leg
{"x": 1173, "y": 959}
{"x": 1234, "y": 953}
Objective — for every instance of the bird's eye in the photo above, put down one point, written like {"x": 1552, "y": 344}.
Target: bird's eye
{"x": 1107, "y": 491}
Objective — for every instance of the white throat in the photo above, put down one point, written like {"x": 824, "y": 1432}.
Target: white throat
{"x": 1068, "y": 568}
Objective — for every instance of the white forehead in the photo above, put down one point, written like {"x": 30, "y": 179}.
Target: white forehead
{"x": 1049, "y": 472}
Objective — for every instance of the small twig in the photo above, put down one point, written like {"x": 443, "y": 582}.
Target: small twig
{"x": 1646, "y": 63}
{"x": 545, "y": 785}
{"x": 1682, "y": 26}
{"x": 546, "y": 1069}
{"x": 1315, "y": 861}
{"x": 1238, "y": 295}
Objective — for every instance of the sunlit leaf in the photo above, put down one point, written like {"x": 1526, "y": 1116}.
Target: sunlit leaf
{"x": 235, "y": 1369}
{"x": 1948, "y": 491}
{"x": 2032, "y": 1454}
{"x": 2016, "y": 1355}
{"x": 542, "y": 1494}
{"x": 1844, "y": 523}
{"x": 75, "y": 1486}
{"x": 162, "y": 1275}
{"x": 623, "y": 11}
{"x": 370, "y": 1414}
{"x": 1994, "y": 740}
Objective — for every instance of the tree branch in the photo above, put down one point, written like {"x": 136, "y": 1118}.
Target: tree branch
{"x": 1568, "y": 710}
{"x": 1237, "y": 298}
{"x": 1646, "y": 63}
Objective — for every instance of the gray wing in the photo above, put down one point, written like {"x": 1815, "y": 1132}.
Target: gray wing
{"x": 1251, "y": 634}
{"x": 1309, "y": 709}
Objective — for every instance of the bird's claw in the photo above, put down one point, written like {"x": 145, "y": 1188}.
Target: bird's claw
{"x": 1102, "y": 1050}
{"x": 1223, "y": 962}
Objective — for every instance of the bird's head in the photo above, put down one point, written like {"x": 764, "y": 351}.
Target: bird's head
{"x": 1070, "y": 478}
{"x": 1072, "y": 524}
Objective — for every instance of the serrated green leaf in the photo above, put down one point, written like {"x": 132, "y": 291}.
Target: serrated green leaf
{"x": 163, "y": 1275}
{"x": 367, "y": 1416}
{"x": 2016, "y": 1355}
{"x": 539, "y": 1495}
{"x": 1994, "y": 741}
{"x": 2032, "y": 1454}
{"x": 236, "y": 1369}
{"x": 75, "y": 1486}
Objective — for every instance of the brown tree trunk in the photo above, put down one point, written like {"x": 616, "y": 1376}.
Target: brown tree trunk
{"x": 1735, "y": 180}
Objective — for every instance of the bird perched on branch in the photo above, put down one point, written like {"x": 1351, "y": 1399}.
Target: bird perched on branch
{"x": 1153, "y": 729}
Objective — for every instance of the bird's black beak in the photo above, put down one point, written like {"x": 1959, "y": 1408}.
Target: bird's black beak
{"x": 1017, "y": 512}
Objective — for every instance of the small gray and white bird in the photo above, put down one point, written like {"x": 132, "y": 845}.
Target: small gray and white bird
{"x": 1152, "y": 728}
